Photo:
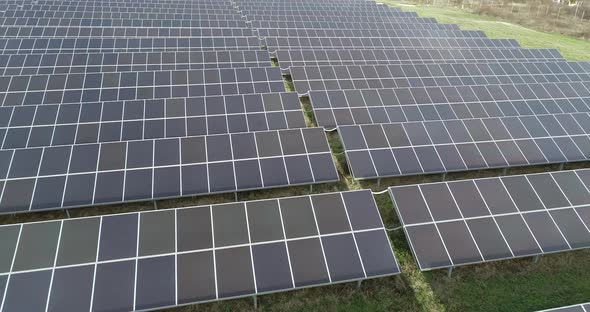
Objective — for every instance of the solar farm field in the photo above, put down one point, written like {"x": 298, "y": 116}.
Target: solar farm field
{"x": 274, "y": 155}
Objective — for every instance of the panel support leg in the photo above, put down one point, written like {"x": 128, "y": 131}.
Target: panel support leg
{"x": 536, "y": 259}
{"x": 311, "y": 189}
{"x": 561, "y": 166}
{"x": 379, "y": 182}
{"x": 358, "y": 285}
{"x": 444, "y": 177}
{"x": 235, "y": 196}
{"x": 505, "y": 171}
{"x": 68, "y": 213}
{"x": 255, "y": 299}
{"x": 450, "y": 272}
{"x": 155, "y": 205}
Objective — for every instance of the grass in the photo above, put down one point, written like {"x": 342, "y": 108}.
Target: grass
{"x": 571, "y": 48}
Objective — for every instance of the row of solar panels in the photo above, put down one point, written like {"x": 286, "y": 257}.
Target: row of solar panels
{"x": 90, "y": 174}
{"x": 160, "y": 259}
{"x": 54, "y": 63}
{"x": 404, "y": 76}
{"x": 186, "y": 255}
{"x": 463, "y": 222}
{"x": 412, "y": 148}
{"x": 136, "y": 32}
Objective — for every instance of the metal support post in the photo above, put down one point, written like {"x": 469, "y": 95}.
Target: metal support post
{"x": 358, "y": 285}
{"x": 379, "y": 182}
{"x": 68, "y": 213}
{"x": 255, "y": 299}
{"x": 561, "y": 166}
{"x": 505, "y": 171}
{"x": 235, "y": 196}
{"x": 536, "y": 259}
{"x": 155, "y": 205}
{"x": 444, "y": 177}
{"x": 311, "y": 189}
{"x": 450, "y": 272}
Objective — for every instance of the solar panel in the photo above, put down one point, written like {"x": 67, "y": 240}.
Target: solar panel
{"x": 118, "y": 32}
{"x": 66, "y": 21}
{"x": 456, "y": 223}
{"x": 572, "y": 308}
{"x": 326, "y": 13}
{"x": 197, "y": 6}
{"x": 289, "y": 58}
{"x": 158, "y": 259}
{"x": 118, "y": 20}
{"x": 93, "y": 174}
{"x": 60, "y": 11}
{"x": 350, "y": 107}
{"x": 97, "y": 122}
{"x": 279, "y": 43}
{"x": 66, "y": 63}
{"x": 360, "y": 4}
{"x": 88, "y": 45}
{"x": 430, "y": 75}
{"x": 387, "y": 150}
{"x": 310, "y": 18}
{"x": 97, "y": 11}
{"x": 367, "y": 33}
{"x": 92, "y": 87}
{"x": 351, "y": 25}
{"x": 345, "y": 7}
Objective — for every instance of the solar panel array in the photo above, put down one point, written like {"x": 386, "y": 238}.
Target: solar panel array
{"x": 116, "y": 101}
{"x": 66, "y": 63}
{"x": 333, "y": 77}
{"x": 138, "y": 170}
{"x": 294, "y": 57}
{"x": 409, "y": 97}
{"x": 385, "y": 150}
{"x": 463, "y": 222}
{"x": 425, "y": 79}
{"x": 121, "y": 101}
{"x": 158, "y": 259}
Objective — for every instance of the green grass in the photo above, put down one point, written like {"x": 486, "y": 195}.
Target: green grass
{"x": 571, "y": 48}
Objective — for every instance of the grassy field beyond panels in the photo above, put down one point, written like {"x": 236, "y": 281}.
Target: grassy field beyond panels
{"x": 571, "y": 48}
